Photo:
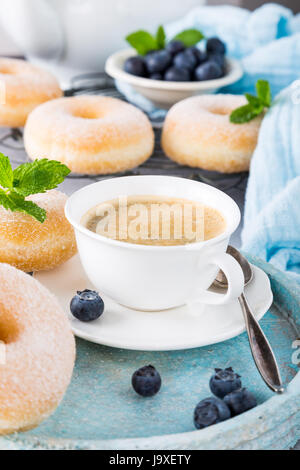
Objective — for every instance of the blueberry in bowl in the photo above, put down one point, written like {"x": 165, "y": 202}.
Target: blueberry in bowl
{"x": 200, "y": 55}
{"x": 176, "y": 74}
{"x": 170, "y": 70}
{"x": 208, "y": 71}
{"x": 217, "y": 58}
{"x": 135, "y": 66}
{"x": 186, "y": 60}
{"x": 215, "y": 45}
{"x": 87, "y": 306}
{"x": 224, "y": 382}
{"x": 174, "y": 47}
{"x": 158, "y": 56}
{"x": 156, "y": 76}
{"x": 158, "y": 61}
{"x": 210, "y": 411}
{"x": 146, "y": 381}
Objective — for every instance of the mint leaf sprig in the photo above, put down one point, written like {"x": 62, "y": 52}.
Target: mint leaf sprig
{"x": 256, "y": 104}
{"x": 29, "y": 178}
{"x": 144, "y": 42}
{"x": 189, "y": 37}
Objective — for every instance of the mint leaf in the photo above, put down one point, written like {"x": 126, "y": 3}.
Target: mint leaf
{"x": 264, "y": 92}
{"x": 16, "y": 203}
{"x": 6, "y": 173}
{"x": 245, "y": 114}
{"x": 253, "y": 100}
{"x": 5, "y": 201}
{"x": 30, "y": 178}
{"x": 28, "y": 207}
{"x": 256, "y": 104}
{"x": 189, "y": 37}
{"x": 142, "y": 42}
{"x": 161, "y": 37}
{"x": 38, "y": 176}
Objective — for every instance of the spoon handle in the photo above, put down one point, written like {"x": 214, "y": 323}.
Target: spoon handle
{"x": 261, "y": 350}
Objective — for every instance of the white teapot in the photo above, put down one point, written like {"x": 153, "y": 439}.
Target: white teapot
{"x": 71, "y": 37}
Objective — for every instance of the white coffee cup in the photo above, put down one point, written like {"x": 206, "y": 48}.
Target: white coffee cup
{"x": 156, "y": 277}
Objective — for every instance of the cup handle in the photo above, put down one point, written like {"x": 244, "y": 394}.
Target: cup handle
{"x": 235, "y": 278}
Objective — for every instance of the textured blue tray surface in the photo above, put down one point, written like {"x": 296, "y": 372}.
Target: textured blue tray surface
{"x": 101, "y": 410}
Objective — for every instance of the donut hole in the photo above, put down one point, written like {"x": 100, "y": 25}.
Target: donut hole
{"x": 86, "y": 114}
{"x": 6, "y": 71}
{"x": 221, "y": 111}
{"x": 9, "y": 331}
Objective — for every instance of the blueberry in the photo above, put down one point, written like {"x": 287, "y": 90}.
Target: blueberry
{"x": 151, "y": 52}
{"x": 240, "y": 401}
{"x": 175, "y": 74}
{"x": 156, "y": 76}
{"x": 216, "y": 45}
{"x": 224, "y": 382}
{"x": 217, "y": 58}
{"x": 174, "y": 47}
{"x": 135, "y": 66}
{"x": 158, "y": 61}
{"x": 200, "y": 56}
{"x": 210, "y": 411}
{"x": 87, "y": 306}
{"x": 146, "y": 381}
{"x": 186, "y": 60}
{"x": 208, "y": 71}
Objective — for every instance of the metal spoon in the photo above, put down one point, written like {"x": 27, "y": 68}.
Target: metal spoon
{"x": 260, "y": 347}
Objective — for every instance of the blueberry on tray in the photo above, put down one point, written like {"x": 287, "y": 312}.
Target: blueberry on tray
{"x": 224, "y": 382}
{"x": 230, "y": 399}
{"x": 240, "y": 401}
{"x": 146, "y": 381}
{"x": 210, "y": 411}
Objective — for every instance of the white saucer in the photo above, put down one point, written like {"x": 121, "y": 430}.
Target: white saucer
{"x": 186, "y": 327}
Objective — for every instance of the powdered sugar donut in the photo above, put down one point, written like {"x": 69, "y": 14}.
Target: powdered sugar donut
{"x": 90, "y": 134}
{"x": 39, "y": 351}
{"x": 198, "y": 133}
{"x": 23, "y": 87}
{"x": 31, "y": 246}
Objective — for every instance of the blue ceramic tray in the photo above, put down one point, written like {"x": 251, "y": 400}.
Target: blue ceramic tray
{"x": 101, "y": 411}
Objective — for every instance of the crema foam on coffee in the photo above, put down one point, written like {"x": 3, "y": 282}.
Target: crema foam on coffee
{"x": 155, "y": 220}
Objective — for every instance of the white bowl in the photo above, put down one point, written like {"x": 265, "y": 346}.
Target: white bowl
{"x": 164, "y": 94}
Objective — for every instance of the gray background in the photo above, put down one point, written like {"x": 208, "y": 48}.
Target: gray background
{"x": 252, "y": 4}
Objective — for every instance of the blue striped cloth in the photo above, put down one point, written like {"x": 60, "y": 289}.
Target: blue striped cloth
{"x": 272, "y": 217}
